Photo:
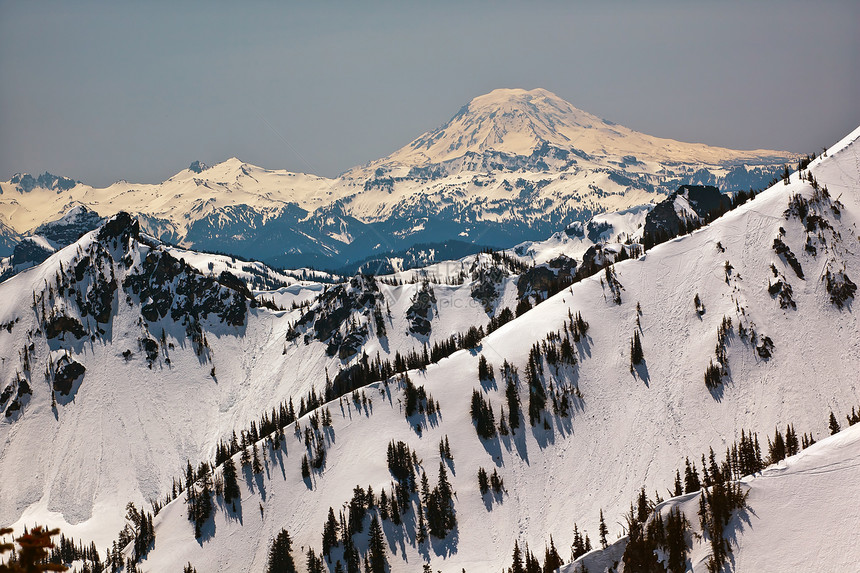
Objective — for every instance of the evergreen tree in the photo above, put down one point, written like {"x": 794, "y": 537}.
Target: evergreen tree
{"x": 330, "y": 534}
{"x": 203, "y": 508}
{"x": 532, "y": 564}
{"x": 679, "y": 490}
{"x": 421, "y": 533}
{"x": 603, "y": 530}
{"x": 776, "y": 448}
{"x": 834, "y": 425}
{"x": 245, "y": 458}
{"x": 676, "y": 544}
{"x": 485, "y": 369}
{"x": 376, "y": 547}
{"x": 513, "y": 398}
{"x": 446, "y": 499}
{"x": 577, "y": 548}
{"x": 691, "y": 478}
{"x": 231, "y": 483}
{"x": 517, "y": 566}
{"x": 636, "y": 353}
{"x": 256, "y": 466}
{"x": 482, "y": 416}
{"x": 552, "y": 560}
{"x": 792, "y": 446}
{"x": 314, "y": 562}
{"x": 483, "y": 481}
{"x": 280, "y": 554}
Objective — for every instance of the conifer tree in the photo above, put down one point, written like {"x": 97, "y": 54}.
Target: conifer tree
{"x": 776, "y": 448}
{"x": 532, "y": 564}
{"x": 513, "y": 399}
{"x": 314, "y": 563}
{"x": 552, "y": 560}
{"x": 330, "y": 534}
{"x": 834, "y": 425}
{"x": 483, "y": 481}
{"x": 446, "y": 499}
{"x": 231, "y": 483}
{"x": 517, "y": 566}
{"x": 676, "y": 544}
{"x": 603, "y": 530}
{"x": 636, "y": 353}
{"x": 280, "y": 554}
{"x": 421, "y": 534}
{"x": 691, "y": 478}
{"x": 792, "y": 446}
{"x": 376, "y": 547}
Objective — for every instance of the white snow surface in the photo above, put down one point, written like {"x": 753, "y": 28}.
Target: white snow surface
{"x": 801, "y": 513}
{"x": 130, "y": 429}
{"x": 629, "y": 431}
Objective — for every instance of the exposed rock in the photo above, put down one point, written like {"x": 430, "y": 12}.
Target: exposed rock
{"x": 29, "y": 253}
{"x": 27, "y": 182}
{"x": 61, "y": 324}
{"x": 66, "y": 374}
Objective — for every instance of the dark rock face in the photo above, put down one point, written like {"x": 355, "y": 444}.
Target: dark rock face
{"x": 65, "y": 376}
{"x": 166, "y": 285}
{"x": 150, "y": 348}
{"x": 336, "y": 305}
{"x": 663, "y": 222}
{"x": 233, "y": 282}
{"x": 597, "y": 230}
{"x": 485, "y": 288}
{"x": 197, "y": 167}
{"x": 121, "y": 226}
{"x": 537, "y": 279}
{"x": 71, "y": 226}
{"x": 563, "y": 264}
{"x": 420, "y": 312}
{"x": 27, "y": 182}
{"x": 61, "y": 324}
{"x": 351, "y": 343}
{"x": 29, "y": 253}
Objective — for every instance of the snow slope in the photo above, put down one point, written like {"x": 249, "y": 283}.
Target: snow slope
{"x": 629, "y": 429}
{"x": 801, "y": 513}
{"x": 129, "y": 426}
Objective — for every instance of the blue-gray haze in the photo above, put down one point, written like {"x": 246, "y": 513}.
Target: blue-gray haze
{"x": 100, "y": 91}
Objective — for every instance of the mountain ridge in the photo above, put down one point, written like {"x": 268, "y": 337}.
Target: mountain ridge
{"x": 618, "y": 408}
{"x": 520, "y": 166}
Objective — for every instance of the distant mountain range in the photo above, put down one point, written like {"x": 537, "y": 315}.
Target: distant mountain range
{"x": 511, "y": 166}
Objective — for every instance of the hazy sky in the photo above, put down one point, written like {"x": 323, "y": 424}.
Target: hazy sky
{"x": 101, "y": 91}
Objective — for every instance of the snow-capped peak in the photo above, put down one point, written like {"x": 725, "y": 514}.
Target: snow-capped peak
{"x": 517, "y": 121}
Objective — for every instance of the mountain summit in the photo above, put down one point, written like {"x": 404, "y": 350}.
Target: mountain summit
{"x": 518, "y": 121}
{"x": 513, "y": 165}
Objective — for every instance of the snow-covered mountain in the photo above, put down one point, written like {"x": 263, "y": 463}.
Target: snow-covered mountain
{"x": 512, "y": 165}
{"x": 517, "y": 121}
{"x": 128, "y": 357}
{"x": 756, "y": 293}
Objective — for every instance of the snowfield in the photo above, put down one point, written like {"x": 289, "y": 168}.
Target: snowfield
{"x": 128, "y": 429}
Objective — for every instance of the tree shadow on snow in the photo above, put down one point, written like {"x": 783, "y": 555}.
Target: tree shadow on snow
{"x": 641, "y": 371}
{"x": 447, "y": 546}
{"x": 493, "y": 447}
{"x": 233, "y": 510}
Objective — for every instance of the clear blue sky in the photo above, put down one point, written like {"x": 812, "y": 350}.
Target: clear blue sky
{"x": 100, "y": 91}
